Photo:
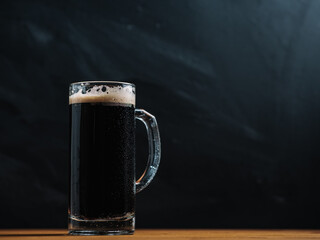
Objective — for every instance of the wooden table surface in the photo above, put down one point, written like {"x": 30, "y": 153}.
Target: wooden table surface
{"x": 168, "y": 234}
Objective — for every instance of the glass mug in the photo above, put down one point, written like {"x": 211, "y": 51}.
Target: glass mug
{"x": 102, "y": 157}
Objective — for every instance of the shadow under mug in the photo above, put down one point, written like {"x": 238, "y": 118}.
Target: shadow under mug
{"x": 102, "y": 157}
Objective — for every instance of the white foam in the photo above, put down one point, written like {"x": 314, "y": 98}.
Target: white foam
{"x": 116, "y": 94}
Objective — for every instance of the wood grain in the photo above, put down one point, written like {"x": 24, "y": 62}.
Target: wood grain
{"x": 168, "y": 234}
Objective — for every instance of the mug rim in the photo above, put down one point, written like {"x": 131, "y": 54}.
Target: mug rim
{"x": 103, "y": 82}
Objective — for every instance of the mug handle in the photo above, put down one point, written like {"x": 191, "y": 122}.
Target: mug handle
{"x": 154, "y": 148}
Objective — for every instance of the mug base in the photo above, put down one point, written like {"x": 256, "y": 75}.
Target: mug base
{"x": 101, "y": 226}
{"x": 93, "y": 232}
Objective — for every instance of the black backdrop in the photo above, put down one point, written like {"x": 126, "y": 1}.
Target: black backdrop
{"x": 234, "y": 84}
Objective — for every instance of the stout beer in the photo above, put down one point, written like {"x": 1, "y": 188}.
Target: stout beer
{"x": 102, "y": 147}
{"x": 102, "y": 157}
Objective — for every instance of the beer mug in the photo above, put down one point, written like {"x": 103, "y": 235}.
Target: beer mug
{"x": 102, "y": 157}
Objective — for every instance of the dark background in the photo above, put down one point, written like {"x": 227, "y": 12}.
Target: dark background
{"x": 235, "y": 86}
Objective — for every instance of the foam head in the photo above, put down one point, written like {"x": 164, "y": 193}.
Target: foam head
{"x": 104, "y": 94}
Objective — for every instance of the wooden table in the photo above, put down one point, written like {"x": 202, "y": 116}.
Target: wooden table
{"x": 168, "y": 234}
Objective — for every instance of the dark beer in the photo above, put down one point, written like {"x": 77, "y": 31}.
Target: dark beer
{"x": 102, "y": 156}
{"x": 103, "y": 183}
